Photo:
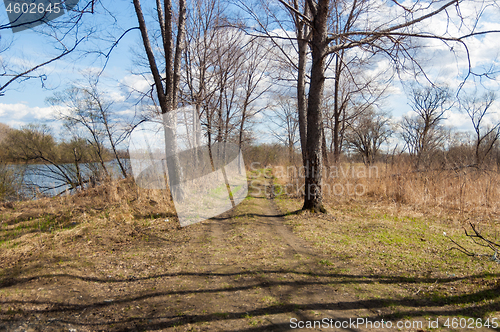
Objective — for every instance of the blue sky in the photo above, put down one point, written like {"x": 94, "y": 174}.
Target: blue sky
{"x": 25, "y": 103}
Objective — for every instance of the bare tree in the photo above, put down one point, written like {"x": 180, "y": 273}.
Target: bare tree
{"x": 367, "y": 133}
{"x": 477, "y": 108}
{"x": 81, "y": 117}
{"x": 167, "y": 87}
{"x": 285, "y": 118}
{"x": 198, "y": 84}
{"x": 353, "y": 92}
{"x": 301, "y": 13}
{"x": 229, "y": 62}
{"x": 85, "y": 107}
{"x": 384, "y": 34}
{"x": 422, "y": 132}
{"x": 254, "y": 69}
{"x": 290, "y": 52}
{"x": 224, "y": 88}
{"x": 224, "y": 73}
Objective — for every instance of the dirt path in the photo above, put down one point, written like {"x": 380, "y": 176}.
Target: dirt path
{"x": 245, "y": 271}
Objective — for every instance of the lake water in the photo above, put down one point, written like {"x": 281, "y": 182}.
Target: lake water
{"x": 49, "y": 179}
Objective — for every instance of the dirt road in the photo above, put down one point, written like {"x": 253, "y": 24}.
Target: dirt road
{"x": 245, "y": 271}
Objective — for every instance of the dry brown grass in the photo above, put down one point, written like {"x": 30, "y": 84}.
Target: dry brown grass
{"x": 121, "y": 197}
{"x": 467, "y": 191}
{"x": 398, "y": 227}
{"x": 464, "y": 192}
{"x": 111, "y": 253}
{"x": 116, "y": 211}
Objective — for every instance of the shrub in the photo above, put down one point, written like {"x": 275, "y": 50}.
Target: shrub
{"x": 10, "y": 183}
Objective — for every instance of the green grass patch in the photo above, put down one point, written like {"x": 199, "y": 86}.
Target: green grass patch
{"x": 407, "y": 258}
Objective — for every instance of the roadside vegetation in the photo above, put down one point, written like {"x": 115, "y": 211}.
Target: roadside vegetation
{"x": 382, "y": 215}
{"x": 384, "y": 245}
{"x": 123, "y": 244}
{"x": 391, "y": 224}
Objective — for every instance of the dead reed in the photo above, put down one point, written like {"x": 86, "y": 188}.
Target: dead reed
{"x": 462, "y": 190}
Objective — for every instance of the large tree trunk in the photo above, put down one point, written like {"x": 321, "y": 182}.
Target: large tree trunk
{"x": 313, "y": 199}
{"x": 167, "y": 91}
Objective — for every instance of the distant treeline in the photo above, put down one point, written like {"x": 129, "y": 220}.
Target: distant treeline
{"x": 456, "y": 154}
{"x": 73, "y": 163}
{"x": 36, "y": 144}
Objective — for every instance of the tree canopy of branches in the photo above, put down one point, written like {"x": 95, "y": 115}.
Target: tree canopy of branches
{"x": 422, "y": 132}
{"x": 64, "y": 34}
{"x": 284, "y": 116}
{"x": 88, "y": 115}
{"x": 485, "y": 136}
{"x": 371, "y": 26}
{"x": 167, "y": 88}
{"x": 367, "y": 133}
{"x": 213, "y": 67}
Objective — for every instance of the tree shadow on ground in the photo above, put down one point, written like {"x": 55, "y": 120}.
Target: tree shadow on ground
{"x": 63, "y": 312}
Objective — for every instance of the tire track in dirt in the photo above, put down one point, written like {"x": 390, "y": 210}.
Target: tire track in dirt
{"x": 282, "y": 280}
{"x": 317, "y": 295}
{"x": 242, "y": 271}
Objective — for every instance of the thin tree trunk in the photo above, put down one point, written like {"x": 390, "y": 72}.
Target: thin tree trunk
{"x": 240, "y": 138}
{"x": 324, "y": 148}
{"x": 302, "y": 33}
{"x": 336, "y": 112}
{"x": 112, "y": 143}
{"x": 77, "y": 166}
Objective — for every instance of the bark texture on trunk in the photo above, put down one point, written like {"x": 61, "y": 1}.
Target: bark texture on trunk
{"x": 173, "y": 164}
{"x": 313, "y": 199}
{"x": 324, "y": 149}
{"x": 168, "y": 88}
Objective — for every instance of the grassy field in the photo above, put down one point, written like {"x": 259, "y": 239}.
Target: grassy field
{"x": 113, "y": 258}
{"x": 403, "y": 247}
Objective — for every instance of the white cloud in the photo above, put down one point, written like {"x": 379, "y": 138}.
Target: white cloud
{"x": 457, "y": 120}
{"x": 19, "y": 114}
{"x": 115, "y": 96}
{"x": 136, "y": 83}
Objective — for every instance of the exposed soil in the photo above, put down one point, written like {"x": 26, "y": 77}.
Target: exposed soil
{"x": 243, "y": 271}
